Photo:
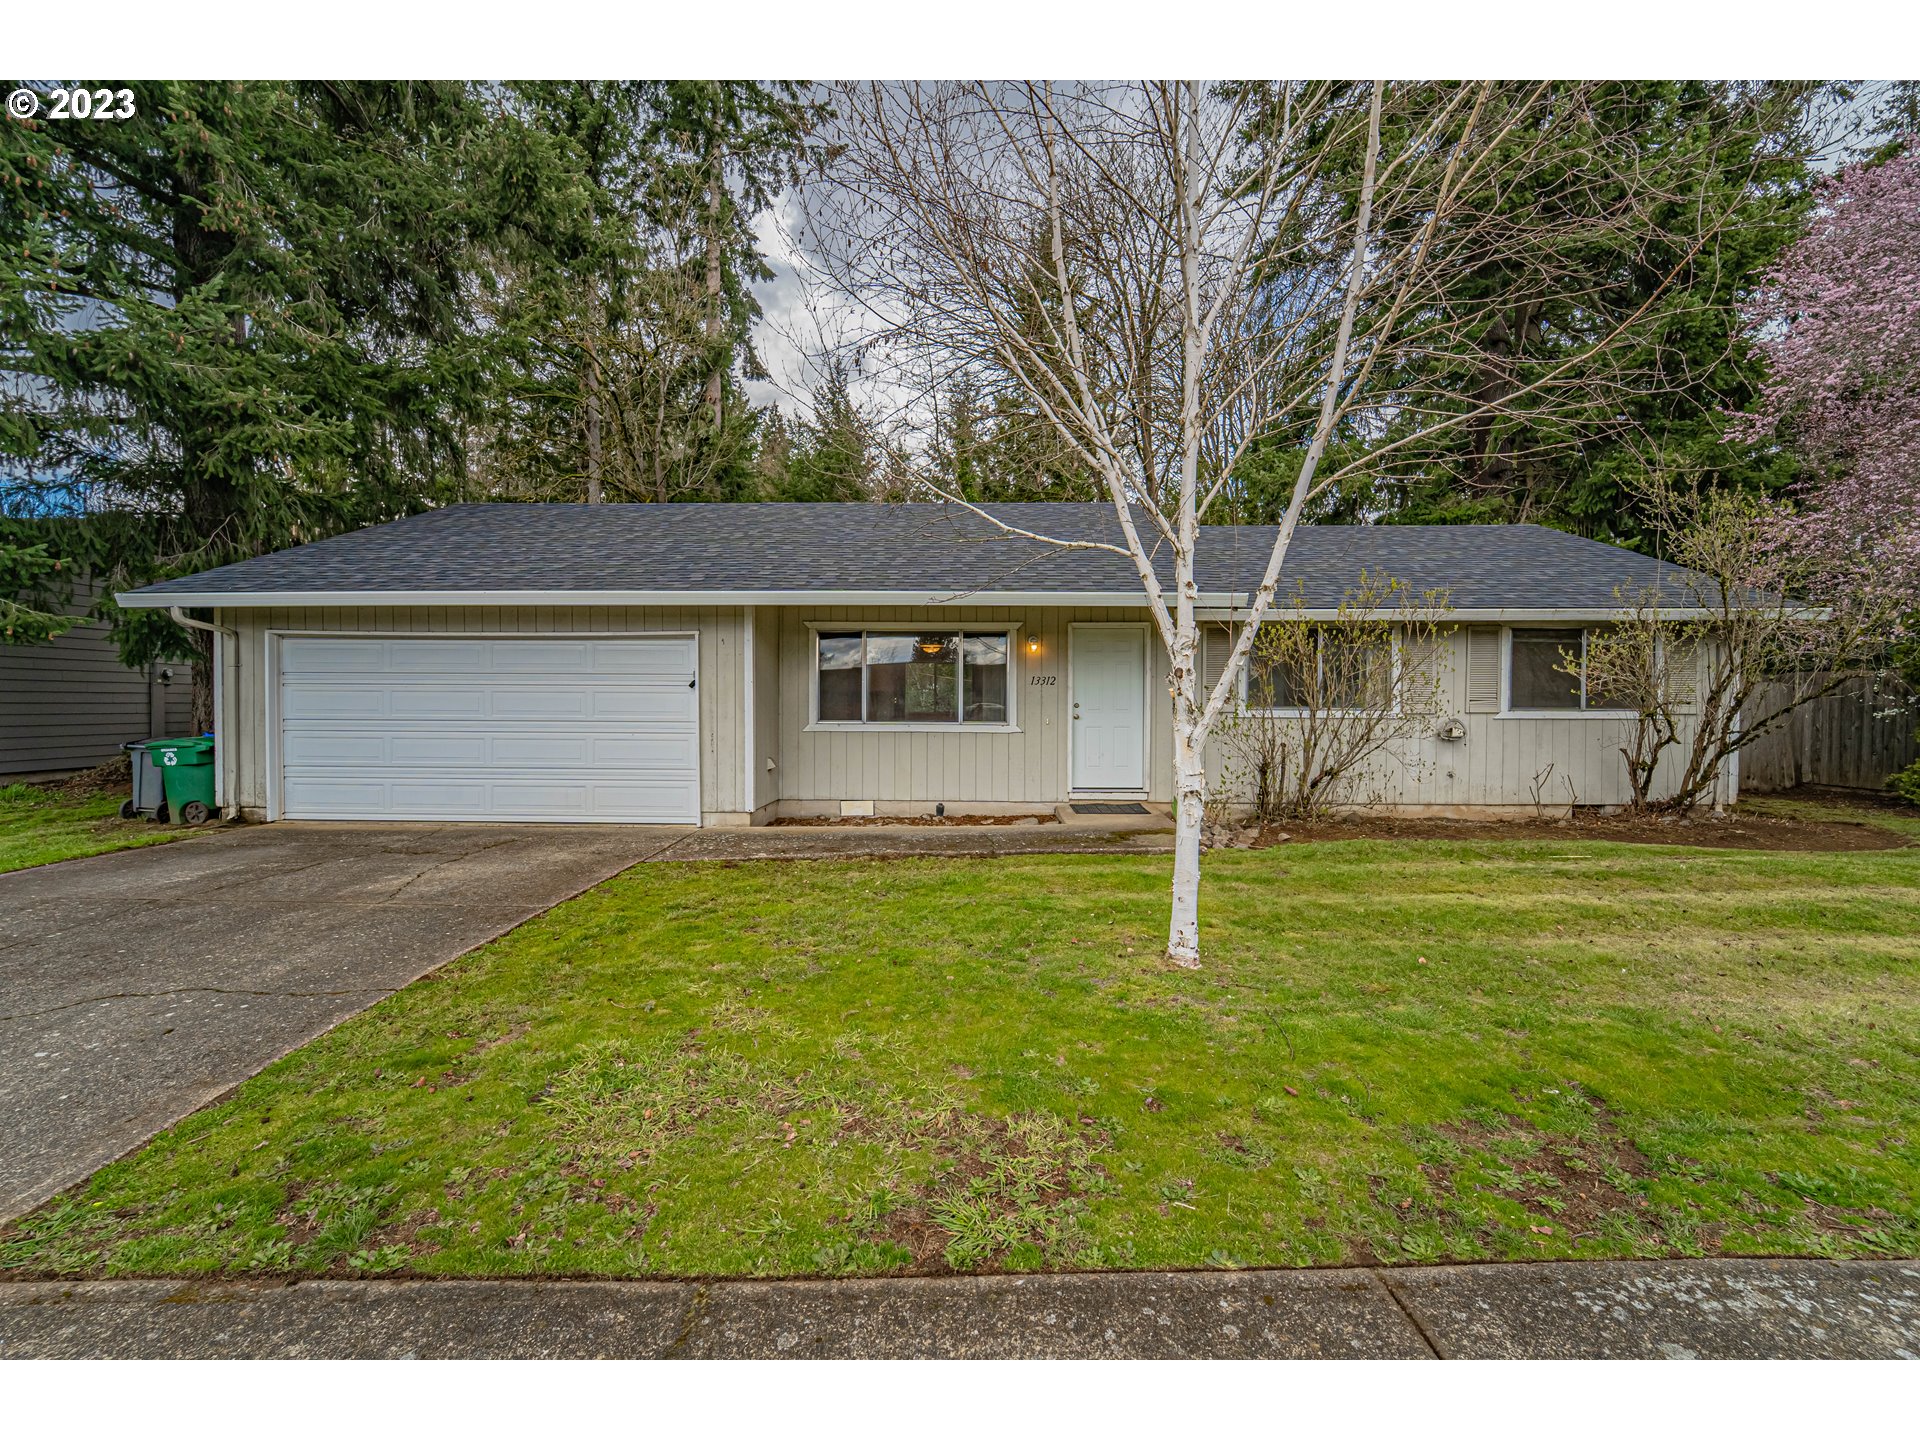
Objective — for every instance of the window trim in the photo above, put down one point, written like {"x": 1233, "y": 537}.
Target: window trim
{"x": 1007, "y": 628}
{"x": 1295, "y": 712}
{"x": 1507, "y": 710}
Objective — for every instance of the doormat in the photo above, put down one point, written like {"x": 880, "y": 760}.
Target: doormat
{"x": 1109, "y": 807}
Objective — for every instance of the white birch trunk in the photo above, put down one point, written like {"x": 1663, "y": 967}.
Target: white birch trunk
{"x": 1190, "y": 798}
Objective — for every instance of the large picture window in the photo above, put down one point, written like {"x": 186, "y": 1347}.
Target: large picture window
{"x": 1539, "y": 677}
{"x": 912, "y": 677}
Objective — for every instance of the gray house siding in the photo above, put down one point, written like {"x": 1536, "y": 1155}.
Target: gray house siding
{"x": 762, "y": 780}
{"x": 70, "y": 704}
{"x": 1022, "y": 768}
{"x": 1505, "y": 761}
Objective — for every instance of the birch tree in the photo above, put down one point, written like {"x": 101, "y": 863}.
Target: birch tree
{"x": 1223, "y": 266}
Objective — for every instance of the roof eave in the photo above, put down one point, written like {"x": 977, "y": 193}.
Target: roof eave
{"x": 1209, "y": 606}
{"x": 258, "y": 599}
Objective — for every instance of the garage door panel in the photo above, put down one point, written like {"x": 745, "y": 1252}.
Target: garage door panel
{"x": 644, "y": 658}
{"x": 312, "y": 751}
{"x": 565, "y": 752}
{"x": 579, "y": 798}
{"x": 680, "y": 797}
{"x": 437, "y": 700}
{"x": 446, "y": 798}
{"x": 313, "y": 700}
{"x": 328, "y": 657}
{"x": 541, "y": 657}
{"x": 560, "y": 702}
{"x": 500, "y": 729}
{"x": 303, "y": 748}
{"x": 446, "y": 748}
{"x": 326, "y": 798}
{"x": 647, "y": 752}
{"x": 438, "y": 657}
{"x": 676, "y": 704}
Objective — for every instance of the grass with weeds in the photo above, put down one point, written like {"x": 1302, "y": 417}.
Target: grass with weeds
{"x": 39, "y": 825}
{"x": 1413, "y": 1052}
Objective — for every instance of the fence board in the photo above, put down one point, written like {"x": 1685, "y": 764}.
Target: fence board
{"x": 1854, "y": 738}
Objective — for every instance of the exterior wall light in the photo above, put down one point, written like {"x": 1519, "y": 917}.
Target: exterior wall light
{"x": 1033, "y": 645}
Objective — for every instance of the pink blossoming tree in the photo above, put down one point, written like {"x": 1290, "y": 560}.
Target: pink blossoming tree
{"x": 1840, "y": 320}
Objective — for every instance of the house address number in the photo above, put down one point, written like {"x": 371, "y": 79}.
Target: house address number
{"x": 1041, "y": 679}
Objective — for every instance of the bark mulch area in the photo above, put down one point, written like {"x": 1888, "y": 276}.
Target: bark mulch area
{"x": 863, "y": 821}
{"x": 1735, "y": 832}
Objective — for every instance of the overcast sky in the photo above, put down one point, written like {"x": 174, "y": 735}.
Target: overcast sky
{"x": 802, "y": 318}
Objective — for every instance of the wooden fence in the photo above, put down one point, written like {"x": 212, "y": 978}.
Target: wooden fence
{"x": 1855, "y": 737}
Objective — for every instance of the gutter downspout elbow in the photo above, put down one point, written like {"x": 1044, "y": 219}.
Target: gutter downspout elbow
{"x": 180, "y": 617}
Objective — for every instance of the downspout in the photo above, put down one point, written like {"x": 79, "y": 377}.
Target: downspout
{"x": 179, "y": 616}
{"x": 220, "y": 634}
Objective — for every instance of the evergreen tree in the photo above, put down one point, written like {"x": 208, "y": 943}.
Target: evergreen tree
{"x": 244, "y": 318}
{"x": 29, "y": 593}
{"x": 833, "y": 455}
{"x": 634, "y": 339}
{"x": 1701, "y": 148}
{"x": 997, "y": 448}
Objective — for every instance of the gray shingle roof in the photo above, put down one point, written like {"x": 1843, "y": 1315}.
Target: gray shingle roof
{"x": 928, "y": 551}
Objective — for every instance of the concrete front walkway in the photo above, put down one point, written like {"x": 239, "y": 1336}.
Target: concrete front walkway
{"x": 137, "y": 986}
{"x": 1689, "y": 1309}
{"x": 1122, "y": 836}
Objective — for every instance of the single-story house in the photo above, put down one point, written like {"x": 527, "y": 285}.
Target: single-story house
{"x": 731, "y": 664}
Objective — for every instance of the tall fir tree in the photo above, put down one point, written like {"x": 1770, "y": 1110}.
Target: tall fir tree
{"x": 635, "y": 340}
{"x": 833, "y": 455}
{"x": 995, "y": 446}
{"x": 1704, "y": 149}
{"x": 244, "y": 318}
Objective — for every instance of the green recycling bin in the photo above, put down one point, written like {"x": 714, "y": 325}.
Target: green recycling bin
{"x": 186, "y": 769}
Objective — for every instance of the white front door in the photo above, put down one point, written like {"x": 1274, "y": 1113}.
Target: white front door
{"x": 573, "y": 727}
{"x": 1109, "y": 682}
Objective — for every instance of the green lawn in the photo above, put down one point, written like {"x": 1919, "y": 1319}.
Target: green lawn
{"x": 40, "y": 825}
{"x": 1415, "y": 1052}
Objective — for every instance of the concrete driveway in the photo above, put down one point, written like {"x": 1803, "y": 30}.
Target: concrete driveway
{"x": 135, "y": 987}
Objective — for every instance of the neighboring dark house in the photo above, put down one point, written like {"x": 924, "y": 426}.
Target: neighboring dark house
{"x": 70, "y": 704}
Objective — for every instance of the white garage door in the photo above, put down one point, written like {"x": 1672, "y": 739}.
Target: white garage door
{"x": 522, "y": 729}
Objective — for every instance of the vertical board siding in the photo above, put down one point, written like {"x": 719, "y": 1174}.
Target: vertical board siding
{"x": 1570, "y": 758}
{"x": 249, "y": 704}
{"x": 1027, "y": 765}
{"x": 766, "y": 707}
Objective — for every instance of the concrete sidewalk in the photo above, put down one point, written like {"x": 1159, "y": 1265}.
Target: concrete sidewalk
{"x": 1694, "y": 1309}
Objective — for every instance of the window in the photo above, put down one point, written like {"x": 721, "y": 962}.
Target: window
{"x": 1325, "y": 671}
{"x": 913, "y": 677}
{"x": 1536, "y": 679}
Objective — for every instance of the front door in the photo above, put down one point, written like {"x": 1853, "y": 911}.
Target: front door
{"x": 1109, "y": 707}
